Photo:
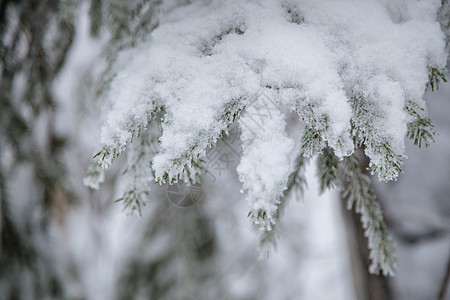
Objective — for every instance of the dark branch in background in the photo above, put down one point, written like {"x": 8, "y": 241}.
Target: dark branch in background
{"x": 190, "y": 243}
{"x": 35, "y": 37}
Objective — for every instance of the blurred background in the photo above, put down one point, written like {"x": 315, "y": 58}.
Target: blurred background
{"x": 62, "y": 240}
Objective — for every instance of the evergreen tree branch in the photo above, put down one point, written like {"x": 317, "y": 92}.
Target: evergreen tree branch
{"x": 295, "y": 188}
{"x": 384, "y": 160}
{"x": 327, "y": 169}
{"x": 435, "y": 75}
{"x": 360, "y": 196}
{"x": 139, "y": 174}
{"x": 421, "y": 128}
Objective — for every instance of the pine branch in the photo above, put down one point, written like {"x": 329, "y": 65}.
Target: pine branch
{"x": 421, "y": 129}
{"x": 295, "y": 187}
{"x": 327, "y": 169}
{"x": 133, "y": 126}
{"x": 133, "y": 200}
{"x": 312, "y": 142}
{"x": 193, "y": 172}
{"x": 95, "y": 175}
{"x": 96, "y": 17}
{"x": 139, "y": 173}
{"x": 360, "y": 197}
{"x": 435, "y": 75}
{"x": 198, "y": 149}
{"x": 118, "y": 19}
{"x": 383, "y": 159}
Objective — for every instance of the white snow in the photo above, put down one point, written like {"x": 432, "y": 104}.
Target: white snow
{"x": 313, "y": 54}
{"x": 208, "y": 60}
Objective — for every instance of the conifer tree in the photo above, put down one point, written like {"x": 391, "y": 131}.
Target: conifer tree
{"x": 185, "y": 72}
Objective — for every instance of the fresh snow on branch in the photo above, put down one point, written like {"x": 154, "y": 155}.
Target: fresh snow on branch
{"x": 354, "y": 71}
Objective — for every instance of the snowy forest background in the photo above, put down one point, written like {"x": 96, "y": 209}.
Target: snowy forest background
{"x": 63, "y": 240}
